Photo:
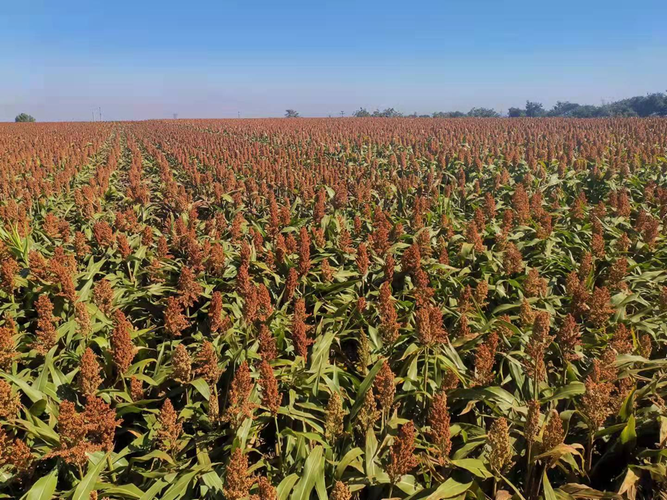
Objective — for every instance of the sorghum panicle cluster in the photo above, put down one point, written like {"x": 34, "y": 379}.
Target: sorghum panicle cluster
{"x": 389, "y": 325}
{"x": 123, "y": 349}
{"x": 498, "y": 440}
{"x": 169, "y": 428}
{"x": 207, "y": 363}
{"x": 45, "y": 335}
{"x": 182, "y": 364}
{"x": 485, "y": 358}
{"x": 300, "y": 329}
{"x": 439, "y": 421}
{"x": 89, "y": 375}
{"x": 384, "y": 387}
{"x": 401, "y": 456}
{"x": 271, "y": 397}
{"x": 240, "y": 407}
{"x": 333, "y": 422}
{"x": 238, "y": 480}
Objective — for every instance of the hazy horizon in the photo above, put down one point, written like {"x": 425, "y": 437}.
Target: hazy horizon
{"x": 150, "y": 60}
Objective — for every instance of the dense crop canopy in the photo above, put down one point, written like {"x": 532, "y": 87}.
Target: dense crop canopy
{"x": 333, "y": 308}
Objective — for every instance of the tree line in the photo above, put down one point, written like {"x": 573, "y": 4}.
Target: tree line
{"x": 649, "y": 105}
{"x": 392, "y": 113}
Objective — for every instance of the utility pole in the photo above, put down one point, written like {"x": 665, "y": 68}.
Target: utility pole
{"x": 93, "y": 116}
{"x": 100, "y": 110}
{"x": 238, "y": 114}
{"x": 342, "y": 114}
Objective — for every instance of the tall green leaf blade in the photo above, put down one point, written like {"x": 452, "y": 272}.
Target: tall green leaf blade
{"x": 312, "y": 470}
{"x": 286, "y": 485}
{"x": 44, "y": 488}
{"x": 180, "y": 487}
{"x": 449, "y": 489}
{"x": 87, "y": 484}
{"x": 153, "y": 491}
{"x": 363, "y": 388}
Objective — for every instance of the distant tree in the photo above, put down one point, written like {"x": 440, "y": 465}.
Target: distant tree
{"x": 589, "y": 111}
{"x": 290, "y": 113}
{"x": 483, "y": 113}
{"x": 620, "y": 109}
{"x": 573, "y": 110}
{"x": 387, "y": 113}
{"x": 361, "y": 113}
{"x": 563, "y": 108}
{"x": 516, "y": 112}
{"x": 649, "y": 105}
{"x": 448, "y": 114}
{"x": 534, "y": 109}
{"x": 23, "y": 117}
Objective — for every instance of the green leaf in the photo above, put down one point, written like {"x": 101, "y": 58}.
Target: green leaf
{"x": 202, "y": 387}
{"x": 548, "y": 490}
{"x": 406, "y": 483}
{"x": 243, "y": 433}
{"x": 369, "y": 454}
{"x": 29, "y": 391}
{"x": 213, "y": 481}
{"x": 286, "y": 485}
{"x": 495, "y": 394}
{"x": 153, "y": 491}
{"x": 38, "y": 428}
{"x": 363, "y": 388}
{"x": 449, "y": 489}
{"x": 153, "y": 454}
{"x": 629, "y": 434}
{"x": 627, "y": 407}
{"x": 321, "y": 485}
{"x": 474, "y": 465}
{"x": 312, "y": 470}
{"x": 320, "y": 359}
{"x": 122, "y": 490}
{"x": 180, "y": 487}
{"x": 87, "y": 484}
{"x": 349, "y": 457}
{"x": 43, "y": 379}
{"x": 567, "y": 392}
{"x": 44, "y": 488}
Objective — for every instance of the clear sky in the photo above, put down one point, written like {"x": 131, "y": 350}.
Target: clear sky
{"x": 140, "y": 59}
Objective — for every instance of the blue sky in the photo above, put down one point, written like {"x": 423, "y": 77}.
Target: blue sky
{"x": 149, "y": 59}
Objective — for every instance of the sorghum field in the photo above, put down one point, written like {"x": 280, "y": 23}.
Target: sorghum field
{"x": 334, "y": 308}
